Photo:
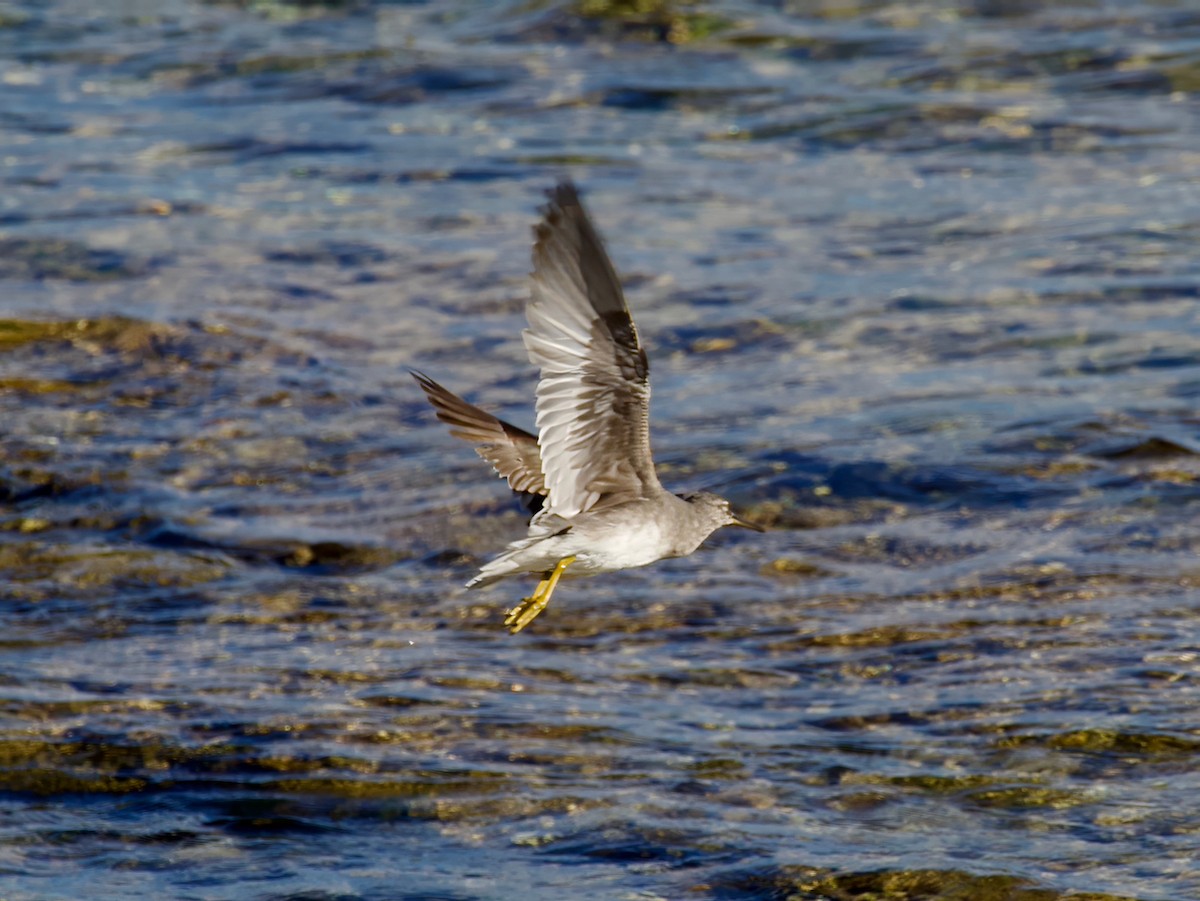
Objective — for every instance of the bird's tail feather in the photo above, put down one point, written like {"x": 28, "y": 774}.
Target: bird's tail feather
{"x": 502, "y": 566}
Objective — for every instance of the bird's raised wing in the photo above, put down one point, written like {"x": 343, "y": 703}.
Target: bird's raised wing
{"x": 593, "y": 400}
{"x": 511, "y": 450}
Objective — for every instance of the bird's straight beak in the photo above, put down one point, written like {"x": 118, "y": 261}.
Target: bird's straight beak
{"x": 738, "y": 521}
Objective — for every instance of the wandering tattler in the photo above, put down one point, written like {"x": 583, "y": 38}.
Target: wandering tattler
{"x": 587, "y": 476}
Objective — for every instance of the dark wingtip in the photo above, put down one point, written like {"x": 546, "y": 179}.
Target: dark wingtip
{"x": 564, "y": 193}
{"x": 561, "y": 197}
{"x": 431, "y": 388}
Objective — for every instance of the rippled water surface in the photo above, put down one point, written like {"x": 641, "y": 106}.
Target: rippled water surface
{"x": 919, "y": 282}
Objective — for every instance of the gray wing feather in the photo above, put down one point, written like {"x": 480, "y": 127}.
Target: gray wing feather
{"x": 593, "y": 400}
{"x": 512, "y": 451}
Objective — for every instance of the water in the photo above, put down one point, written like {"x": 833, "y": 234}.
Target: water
{"x": 919, "y": 286}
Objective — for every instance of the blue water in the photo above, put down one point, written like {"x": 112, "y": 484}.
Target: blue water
{"x": 919, "y": 287}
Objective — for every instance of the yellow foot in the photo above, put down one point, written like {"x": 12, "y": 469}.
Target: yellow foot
{"x": 524, "y": 613}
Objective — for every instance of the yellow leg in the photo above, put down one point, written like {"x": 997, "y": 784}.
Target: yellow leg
{"x": 523, "y": 614}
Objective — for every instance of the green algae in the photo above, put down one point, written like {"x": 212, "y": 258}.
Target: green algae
{"x": 800, "y": 883}
{"x": 1111, "y": 741}
{"x": 107, "y": 333}
{"x": 56, "y": 782}
{"x": 676, "y": 21}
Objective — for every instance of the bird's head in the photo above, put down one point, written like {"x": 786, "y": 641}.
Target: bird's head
{"x": 715, "y": 510}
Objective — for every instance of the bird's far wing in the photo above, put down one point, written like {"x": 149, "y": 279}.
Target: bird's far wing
{"x": 512, "y": 451}
{"x": 593, "y": 399}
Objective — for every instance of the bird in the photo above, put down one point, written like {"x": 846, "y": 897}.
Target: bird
{"x": 587, "y": 476}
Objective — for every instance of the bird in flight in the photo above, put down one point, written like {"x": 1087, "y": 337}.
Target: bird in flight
{"x": 587, "y": 476}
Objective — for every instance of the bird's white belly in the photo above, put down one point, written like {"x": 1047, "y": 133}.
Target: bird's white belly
{"x": 620, "y": 548}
